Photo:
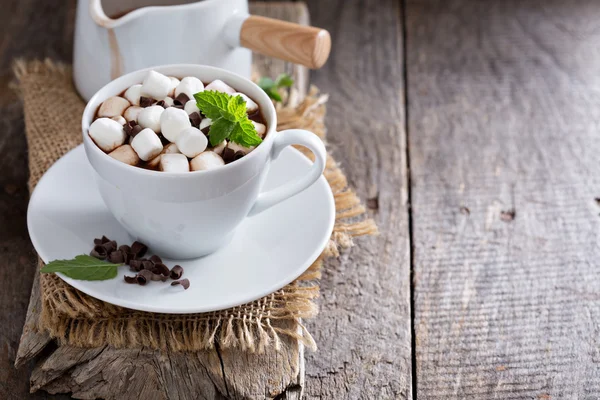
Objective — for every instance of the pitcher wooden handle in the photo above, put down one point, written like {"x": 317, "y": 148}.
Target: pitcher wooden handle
{"x": 296, "y": 43}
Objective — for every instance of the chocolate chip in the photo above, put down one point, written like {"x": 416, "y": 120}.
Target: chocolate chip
{"x": 205, "y": 130}
{"x": 195, "y": 119}
{"x": 105, "y": 239}
{"x": 228, "y": 155}
{"x": 135, "y": 265}
{"x": 238, "y": 154}
{"x": 158, "y": 277}
{"x": 139, "y": 249}
{"x": 155, "y": 259}
{"x": 147, "y": 265}
{"x": 146, "y": 101}
{"x": 124, "y": 248}
{"x": 143, "y": 277}
{"x": 116, "y": 257}
{"x": 130, "y": 279}
{"x": 110, "y": 246}
{"x": 99, "y": 252}
{"x": 128, "y": 127}
{"x": 178, "y": 106}
{"x": 161, "y": 269}
{"x": 163, "y": 139}
{"x": 97, "y": 242}
{"x": 136, "y": 129}
{"x": 181, "y": 99}
{"x": 162, "y": 104}
{"x": 183, "y": 282}
{"x": 176, "y": 272}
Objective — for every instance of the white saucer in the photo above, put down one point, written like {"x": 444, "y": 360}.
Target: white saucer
{"x": 268, "y": 251}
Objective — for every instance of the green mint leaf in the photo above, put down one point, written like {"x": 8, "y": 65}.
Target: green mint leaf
{"x": 266, "y": 84}
{"x": 237, "y": 107}
{"x": 212, "y": 103}
{"x": 245, "y": 134}
{"x": 83, "y": 267}
{"x": 220, "y": 130}
{"x": 284, "y": 80}
{"x": 274, "y": 94}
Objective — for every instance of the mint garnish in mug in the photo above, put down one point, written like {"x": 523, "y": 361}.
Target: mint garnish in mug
{"x": 229, "y": 118}
{"x": 83, "y": 267}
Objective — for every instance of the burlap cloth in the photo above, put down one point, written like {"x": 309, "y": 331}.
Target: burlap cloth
{"x": 53, "y": 111}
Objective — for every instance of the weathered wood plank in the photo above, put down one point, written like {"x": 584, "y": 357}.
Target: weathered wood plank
{"x": 504, "y": 144}
{"x": 363, "y": 329}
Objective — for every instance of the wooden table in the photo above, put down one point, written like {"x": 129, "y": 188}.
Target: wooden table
{"x": 472, "y": 130}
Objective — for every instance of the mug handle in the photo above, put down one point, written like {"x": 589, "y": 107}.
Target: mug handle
{"x": 282, "y": 140}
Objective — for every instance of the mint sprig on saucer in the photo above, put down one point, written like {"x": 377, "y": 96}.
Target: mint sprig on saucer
{"x": 229, "y": 118}
{"x": 83, "y": 267}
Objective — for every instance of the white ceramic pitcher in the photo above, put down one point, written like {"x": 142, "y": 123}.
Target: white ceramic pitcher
{"x": 114, "y": 37}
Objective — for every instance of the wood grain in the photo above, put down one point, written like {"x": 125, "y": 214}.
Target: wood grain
{"x": 305, "y": 45}
{"x": 503, "y": 125}
{"x": 363, "y": 329}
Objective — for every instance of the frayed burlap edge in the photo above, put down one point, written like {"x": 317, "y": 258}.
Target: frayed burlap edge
{"x": 77, "y": 319}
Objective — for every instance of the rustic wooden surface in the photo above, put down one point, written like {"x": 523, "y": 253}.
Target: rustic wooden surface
{"x": 504, "y": 117}
{"x": 360, "y": 356}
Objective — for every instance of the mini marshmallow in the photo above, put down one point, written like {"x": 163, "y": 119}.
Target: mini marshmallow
{"x": 108, "y": 134}
{"x": 205, "y": 161}
{"x": 189, "y": 85}
{"x": 156, "y": 85}
{"x": 168, "y": 101}
{"x": 131, "y": 114}
{"x": 260, "y": 129}
{"x": 112, "y": 107}
{"x": 149, "y": 117}
{"x": 133, "y": 94}
{"x": 205, "y": 122}
{"x": 220, "y": 86}
{"x": 251, "y": 106}
{"x": 191, "y": 142}
{"x": 171, "y": 148}
{"x": 219, "y": 148}
{"x": 236, "y": 147}
{"x": 191, "y": 107}
{"x": 174, "y": 163}
{"x": 146, "y": 144}
{"x": 174, "y": 83}
{"x": 125, "y": 154}
{"x": 172, "y": 121}
{"x": 119, "y": 119}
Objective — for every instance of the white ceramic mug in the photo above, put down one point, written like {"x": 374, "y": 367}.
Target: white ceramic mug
{"x": 188, "y": 215}
{"x": 114, "y": 37}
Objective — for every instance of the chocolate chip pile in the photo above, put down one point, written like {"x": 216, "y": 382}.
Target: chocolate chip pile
{"x": 148, "y": 269}
{"x": 157, "y": 125}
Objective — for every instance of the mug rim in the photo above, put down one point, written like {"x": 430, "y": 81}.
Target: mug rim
{"x": 96, "y": 100}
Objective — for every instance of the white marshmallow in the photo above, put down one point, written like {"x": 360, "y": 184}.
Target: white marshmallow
{"x": 205, "y": 122}
{"x": 133, "y": 94}
{"x": 156, "y": 85}
{"x": 191, "y": 107}
{"x": 107, "y": 134}
{"x": 171, "y": 148}
{"x": 149, "y": 117}
{"x": 174, "y": 83}
{"x": 237, "y": 147}
{"x": 219, "y": 148}
{"x": 260, "y": 129}
{"x": 174, "y": 163}
{"x": 189, "y": 85}
{"x": 119, "y": 119}
{"x": 220, "y": 86}
{"x": 168, "y": 101}
{"x": 191, "y": 142}
{"x": 172, "y": 121}
{"x": 112, "y": 107}
{"x": 125, "y": 154}
{"x": 251, "y": 106}
{"x": 146, "y": 144}
{"x": 131, "y": 114}
{"x": 205, "y": 161}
